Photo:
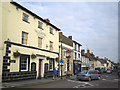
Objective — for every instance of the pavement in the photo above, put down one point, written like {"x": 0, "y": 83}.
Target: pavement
{"x": 15, "y": 84}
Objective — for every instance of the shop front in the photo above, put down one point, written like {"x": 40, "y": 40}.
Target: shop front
{"x": 76, "y": 66}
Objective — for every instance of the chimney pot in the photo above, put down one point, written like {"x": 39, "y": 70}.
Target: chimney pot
{"x": 70, "y": 37}
{"x": 88, "y": 51}
{"x": 97, "y": 57}
{"x": 47, "y": 20}
{"x": 61, "y": 33}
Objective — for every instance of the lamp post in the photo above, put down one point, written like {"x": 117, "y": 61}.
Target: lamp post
{"x": 61, "y": 58}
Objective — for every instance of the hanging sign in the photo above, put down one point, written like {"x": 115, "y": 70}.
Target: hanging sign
{"x": 68, "y": 54}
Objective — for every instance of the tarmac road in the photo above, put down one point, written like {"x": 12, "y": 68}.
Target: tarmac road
{"x": 106, "y": 81}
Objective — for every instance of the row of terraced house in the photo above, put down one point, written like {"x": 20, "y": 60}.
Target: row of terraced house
{"x": 31, "y": 47}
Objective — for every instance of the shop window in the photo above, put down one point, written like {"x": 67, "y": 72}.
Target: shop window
{"x": 33, "y": 66}
{"x": 24, "y": 38}
{"x": 24, "y": 63}
{"x": 51, "y": 64}
{"x": 46, "y": 67}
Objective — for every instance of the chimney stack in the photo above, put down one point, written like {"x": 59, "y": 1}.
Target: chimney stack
{"x": 97, "y": 57}
{"x": 47, "y": 20}
{"x": 61, "y": 33}
{"x": 70, "y": 37}
{"x": 88, "y": 51}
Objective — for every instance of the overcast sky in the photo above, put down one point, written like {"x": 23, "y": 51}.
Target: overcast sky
{"x": 92, "y": 24}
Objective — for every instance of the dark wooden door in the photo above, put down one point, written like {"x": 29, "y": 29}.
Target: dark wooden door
{"x": 40, "y": 67}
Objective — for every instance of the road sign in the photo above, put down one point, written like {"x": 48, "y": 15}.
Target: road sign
{"x": 61, "y": 61}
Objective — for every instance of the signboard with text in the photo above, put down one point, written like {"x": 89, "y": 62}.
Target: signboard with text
{"x": 68, "y": 54}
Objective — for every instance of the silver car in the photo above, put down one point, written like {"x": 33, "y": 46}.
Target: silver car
{"x": 108, "y": 71}
{"x": 88, "y": 75}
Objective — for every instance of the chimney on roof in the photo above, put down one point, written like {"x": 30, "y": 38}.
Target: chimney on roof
{"x": 91, "y": 52}
{"x": 97, "y": 57}
{"x": 47, "y": 20}
{"x": 61, "y": 33}
{"x": 70, "y": 37}
{"x": 88, "y": 51}
{"x": 101, "y": 59}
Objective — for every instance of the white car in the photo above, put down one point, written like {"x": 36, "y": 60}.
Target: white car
{"x": 109, "y": 71}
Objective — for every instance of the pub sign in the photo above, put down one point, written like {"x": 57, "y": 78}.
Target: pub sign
{"x": 68, "y": 54}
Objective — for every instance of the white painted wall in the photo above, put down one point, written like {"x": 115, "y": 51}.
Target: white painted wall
{"x": 76, "y": 51}
{"x": 1, "y": 44}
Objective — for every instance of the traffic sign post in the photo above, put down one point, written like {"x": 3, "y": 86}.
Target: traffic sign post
{"x": 68, "y": 55}
{"x": 61, "y": 61}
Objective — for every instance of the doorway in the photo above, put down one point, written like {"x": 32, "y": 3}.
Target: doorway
{"x": 40, "y": 61}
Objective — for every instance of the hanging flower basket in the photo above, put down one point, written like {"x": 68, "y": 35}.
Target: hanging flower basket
{"x": 47, "y": 58}
{"x": 16, "y": 54}
{"x": 33, "y": 56}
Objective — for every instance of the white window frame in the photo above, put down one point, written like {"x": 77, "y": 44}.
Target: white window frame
{"x": 40, "y": 24}
{"x": 52, "y": 65}
{"x": 51, "y": 45}
{"x": 39, "y": 43}
{"x": 26, "y": 19}
{"x": 51, "y": 30}
{"x": 24, "y": 37}
{"x": 69, "y": 67}
{"x": 26, "y": 66}
{"x": 64, "y": 54}
{"x": 65, "y": 67}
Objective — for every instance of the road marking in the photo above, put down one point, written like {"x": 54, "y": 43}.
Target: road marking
{"x": 96, "y": 84}
{"x": 106, "y": 76}
{"x": 103, "y": 79}
{"x": 115, "y": 79}
{"x": 84, "y": 84}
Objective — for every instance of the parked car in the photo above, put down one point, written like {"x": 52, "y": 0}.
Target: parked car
{"x": 109, "y": 71}
{"x": 101, "y": 70}
{"x": 88, "y": 75}
{"x": 119, "y": 71}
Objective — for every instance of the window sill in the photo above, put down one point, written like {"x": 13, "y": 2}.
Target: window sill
{"x": 51, "y": 33}
{"x": 23, "y": 70}
{"x": 40, "y": 28}
{"x": 25, "y": 44}
{"x": 26, "y": 21}
{"x": 50, "y": 69}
